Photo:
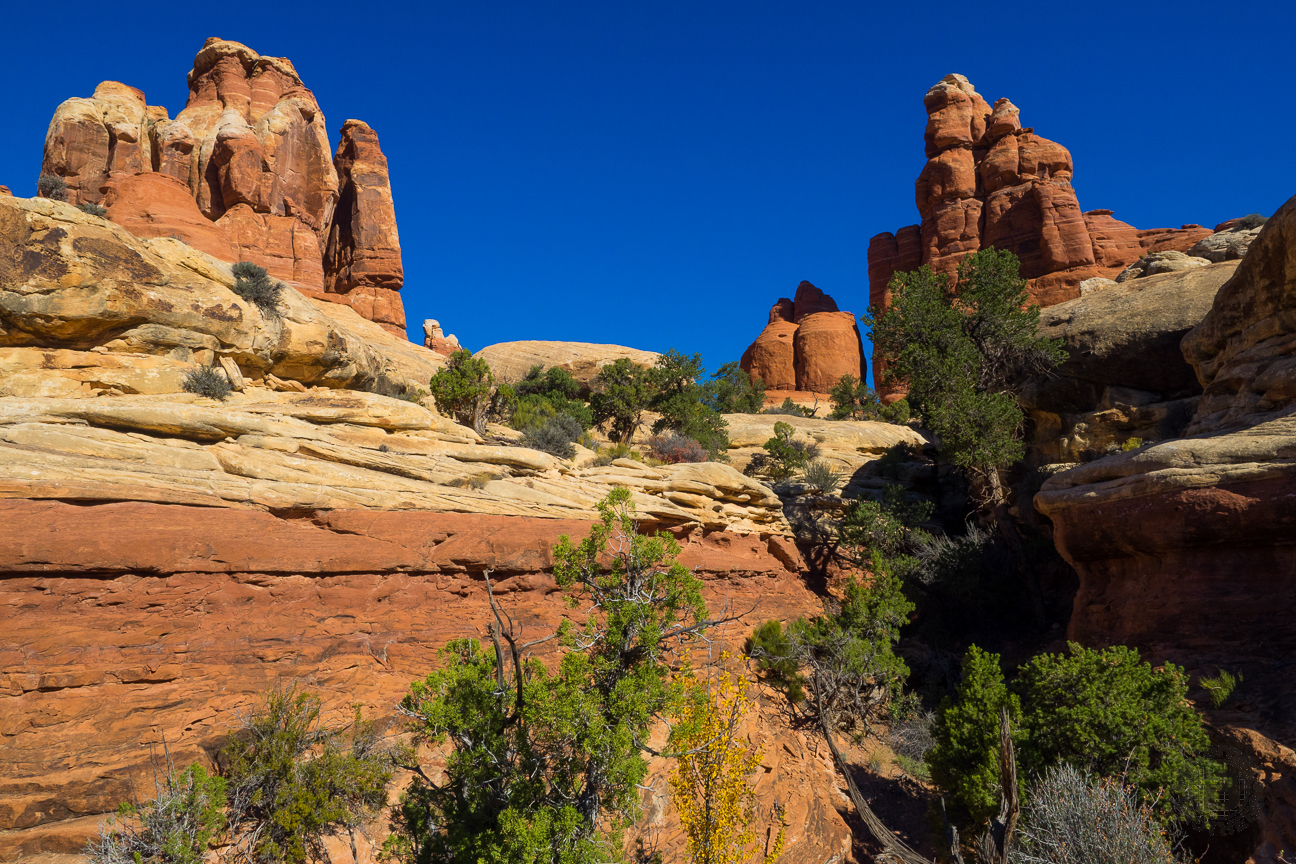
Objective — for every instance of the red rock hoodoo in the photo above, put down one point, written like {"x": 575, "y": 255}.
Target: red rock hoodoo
{"x": 808, "y": 345}
{"x": 988, "y": 182}
{"x": 251, "y": 152}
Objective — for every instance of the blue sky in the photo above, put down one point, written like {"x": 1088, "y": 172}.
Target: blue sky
{"x": 656, "y": 175}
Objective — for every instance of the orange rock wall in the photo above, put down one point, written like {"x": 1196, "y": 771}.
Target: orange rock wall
{"x": 808, "y": 345}
{"x": 128, "y": 624}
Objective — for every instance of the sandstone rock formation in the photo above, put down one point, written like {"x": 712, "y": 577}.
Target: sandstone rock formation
{"x": 510, "y": 361}
{"x": 1230, "y": 242}
{"x": 990, "y": 182}
{"x": 1125, "y": 376}
{"x": 1161, "y": 262}
{"x": 436, "y": 340}
{"x": 808, "y": 345}
{"x": 252, "y": 150}
{"x": 1183, "y": 547}
{"x": 846, "y": 445}
{"x": 169, "y": 557}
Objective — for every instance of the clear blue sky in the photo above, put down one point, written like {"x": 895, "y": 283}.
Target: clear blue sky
{"x": 657, "y": 174}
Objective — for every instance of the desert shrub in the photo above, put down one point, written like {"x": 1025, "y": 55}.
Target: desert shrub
{"x": 622, "y": 391}
{"x": 776, "y": 657}
{"x": 176, "y": 827}
{"x": 463, "y": 389}
{"x": 784, "y": 454}
{"x": 474, "y": 481}
{"x": 1131, "y": 444}
{"x": 253, "y": 284}
{"x": 789, "y": 408}
{"x": 557, "y": 436}
{"x": 683, "y": 403}
{"x": 293, "y": 782}
{"x": 672, "y": 447}
{"x": 1221, "y": 686}
{"x": 898, "y": 412}
{"x": 609, "y": 454}
{"x": 911, "y": 737}
{"x": 1072, "y": 818}
{"x": 1104, "y": 712}
{"x": 558, "y": 389}
{"x": 207, "y": 381}
{"x": 1252, "y": 220}
{"x": 821, "y": 476}
{"x": 532, "y": 412}
{"x": 52, "y": 186}
{"x": 93, "y": 209}
{"x": 888, "y": 529}
{"x": 732, "y": 390}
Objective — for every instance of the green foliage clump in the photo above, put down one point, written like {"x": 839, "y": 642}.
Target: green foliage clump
{"x": 253, "y": 284}
{"x": 732, "y": 390}
{"x": 853, "y": 399}
{"x": 532, "y": 412}
{"x": 609, "y": 454}
{"x": 1131, "y": 444}
{"x": 1252, "y": 220}
{"x": 622, "y": 392}
{"x": 784, "y": 455}
{"x": 684, "y": 405}
{"x": 207, "y": 381}
{"x": 789, "y": 408}
{"x": 93, "y": 209}
{"x": 964, "y": 352}
{"x": 887, "y": 529}
{"x": 1221, "y": 686}
{"x": 175, "y": 827}
{"x": 1105, "y": 712}
{"x": 52, "y": 186}
{"x": 545, "y": 762}
{"x": 844, "y": 661}
{"x": 557, "y": 436}
{"x": 463, "y": 389}
{"x": 293, "y": 782}
{"x": 554, "y": 387}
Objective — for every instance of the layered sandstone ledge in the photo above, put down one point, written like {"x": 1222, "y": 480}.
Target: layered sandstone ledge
{"x": 1186, "y": 548}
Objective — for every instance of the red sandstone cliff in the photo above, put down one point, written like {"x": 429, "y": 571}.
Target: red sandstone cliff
{"x": 251, "y": 150}
{"x": 808, "y": 345}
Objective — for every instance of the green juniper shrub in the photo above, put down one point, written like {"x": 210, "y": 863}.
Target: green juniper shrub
{"x": 609, "y": 454}
{"x": 207, "y": 381}
{"x": 784, "y": 455}
{"x": 559, "y": 389}
{"x": 52, "y": 186}
{"x": 1221, "y": 686}
{"x": 532, "y": 412}
{"x": 789, "y": 408}
{"x": 557, "y": 436}
{"x": 1106, "y": 712}
{"x": 853, "y": 399}
{"x": 732, "y": 390}
{"x": 176, "y": 827}
{"x": 292, "y": 782}
{"x": 253, "y": 284}
{"x": 544, "y": 762}
{"x": 681, "y": 401}
{"x": 887, "y": 529}
{"x": 622, "y": 392}
{"x": 776, "y": 657}
{"x": 93, "y": 209}
{"x": 672, "y": 447}
{"x": 463, "y": 388}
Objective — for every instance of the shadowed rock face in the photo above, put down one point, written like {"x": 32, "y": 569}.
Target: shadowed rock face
{"x": 1185, "y": 548}
{"x": 808, "y": 345}
{"x": 252, "y": 149}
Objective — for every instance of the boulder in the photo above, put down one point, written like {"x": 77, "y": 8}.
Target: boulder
{"x": 1226, "y": 244}
{"x": 510, "y": 361}
{"x": 1160, "y": 262}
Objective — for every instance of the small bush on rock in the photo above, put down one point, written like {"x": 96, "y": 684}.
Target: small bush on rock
{"x": 52, "y": 186}
{"x": 611, "y": 453}
{"x": 176, "y": 827}
{"x": 93, "y": 209}
{"x": 789, "y": 408}
{"x": 821, "y": 477}
{"x": 254, "y": 285}
{"x": 557, "y": 436}
{"x": 1252, "y": 220}
{"x": 671, "y": 447}
{"x": 463, "y": 388}
{"x": 207, "y": 381}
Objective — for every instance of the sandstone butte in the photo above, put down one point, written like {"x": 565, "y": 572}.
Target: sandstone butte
{"x": 243, "y": 173}
{"x": 806, "y": 347}
{"x": 989, "y": 182}
{"x": 166, "y": 558}
{"x": 1184, "y": 546}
